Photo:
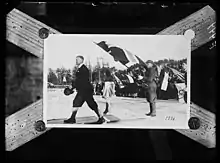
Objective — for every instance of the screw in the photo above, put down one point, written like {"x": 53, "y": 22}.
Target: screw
{"x": 194, "y": 123}
{"x": 43, "y": 33}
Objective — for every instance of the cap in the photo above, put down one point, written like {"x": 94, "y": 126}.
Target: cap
{"x": 150, "y": 61}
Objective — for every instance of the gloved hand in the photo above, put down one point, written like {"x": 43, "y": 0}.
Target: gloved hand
{"x": 70, "y": 86}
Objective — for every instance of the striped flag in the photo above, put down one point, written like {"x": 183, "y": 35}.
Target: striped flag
{"x": 140, "y": 61}
{"x": 119, "y": 54}
{"x": 177, "y": 73}
{"x": 118, "y": 81}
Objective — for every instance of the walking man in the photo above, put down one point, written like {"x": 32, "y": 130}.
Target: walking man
{"x": 84, "y": 92}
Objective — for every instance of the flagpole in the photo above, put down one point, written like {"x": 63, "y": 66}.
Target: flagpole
{"x": 90, "y": 69}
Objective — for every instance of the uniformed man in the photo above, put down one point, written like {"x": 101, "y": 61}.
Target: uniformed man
{"x": 149, "y": 78}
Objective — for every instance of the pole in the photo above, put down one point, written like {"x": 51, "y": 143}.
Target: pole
{"x": 90, "y": 69}
{"x": 98, "y": 67}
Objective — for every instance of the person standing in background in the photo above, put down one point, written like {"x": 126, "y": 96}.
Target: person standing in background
{"x": 108, "y": 90}
{"x": 131, "y": 85}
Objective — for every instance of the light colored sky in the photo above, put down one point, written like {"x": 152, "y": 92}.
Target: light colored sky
{"x": 61, "y": 50}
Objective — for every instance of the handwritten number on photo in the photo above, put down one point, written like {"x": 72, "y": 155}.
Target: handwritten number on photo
{"x": 170, "y": 118}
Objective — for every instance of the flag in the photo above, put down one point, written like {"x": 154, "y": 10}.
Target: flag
{"x": 164, "y": 84}
{"x": 103, "y": 45}
{"x": 118, "y": 81}
{"x": 140, "y": 61}
{"x": 177, "y": 73}
{"x": 119, "y": 54}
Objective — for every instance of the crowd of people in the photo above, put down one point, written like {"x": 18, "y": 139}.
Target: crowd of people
{"x": 128, "y": 85}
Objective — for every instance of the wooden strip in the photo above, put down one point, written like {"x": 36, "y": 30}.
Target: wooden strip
{"x": 25, "y": 124}
{"x": 204, "y": 117}
{"x": 34, "y": 46}
{"x": 25, "y": 127}
{"x": 197, "y": 21}
{"x": 34, "y": 21}
{"x": 24, "y": 44}
{"x": 13, "y": 34}
{"x": 23, "y": 30}
{"x": 202, "y": 113}
{"x": 208, "y": 140}
{"x": 23, "y": 114}
{"x": 189, "y": 21}
{"x": 15, "y": 19}
{"x": 206, "y": 133}
{"x": 199, "y": 110}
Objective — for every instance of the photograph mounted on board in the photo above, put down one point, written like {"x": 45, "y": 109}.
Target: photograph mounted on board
{"x": 117, "y": 81}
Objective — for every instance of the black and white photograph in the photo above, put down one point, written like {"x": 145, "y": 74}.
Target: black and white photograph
{"x": 117, "y": 81}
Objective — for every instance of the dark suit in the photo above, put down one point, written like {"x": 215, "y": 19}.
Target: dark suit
{"x": 84, "y": 89}
{"x": 82, "y": 81}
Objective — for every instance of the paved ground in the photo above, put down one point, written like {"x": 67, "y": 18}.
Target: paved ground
{"x": 131, "y": 111}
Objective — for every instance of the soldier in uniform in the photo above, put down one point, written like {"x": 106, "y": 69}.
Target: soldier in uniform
{"x": 149, "y": 78}
{"x": 84, "y": 92}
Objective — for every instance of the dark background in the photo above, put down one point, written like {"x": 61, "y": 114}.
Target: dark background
{"x": 122, "y": 18}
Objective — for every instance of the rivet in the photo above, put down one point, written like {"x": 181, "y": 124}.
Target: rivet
{"x": 40, "y": 126}
{"x": 194, "y": 123}
{"x": 43, "y": 33}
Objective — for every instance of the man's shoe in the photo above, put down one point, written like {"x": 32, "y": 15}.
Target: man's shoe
{"x": 153, "y": 115}
{"x": 101, "y": 120}
{"x": 70, "y": 121}
{"x": 106, "y": 111}
{"x": 148, "y": 114}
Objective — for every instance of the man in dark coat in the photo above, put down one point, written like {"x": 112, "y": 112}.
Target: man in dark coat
{"x": 84, "y": 92}
{"x": 151, "y": 95}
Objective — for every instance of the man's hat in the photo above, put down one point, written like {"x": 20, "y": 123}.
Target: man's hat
{"x": 68, "y": 91}
{"x": 150, "y": 61}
